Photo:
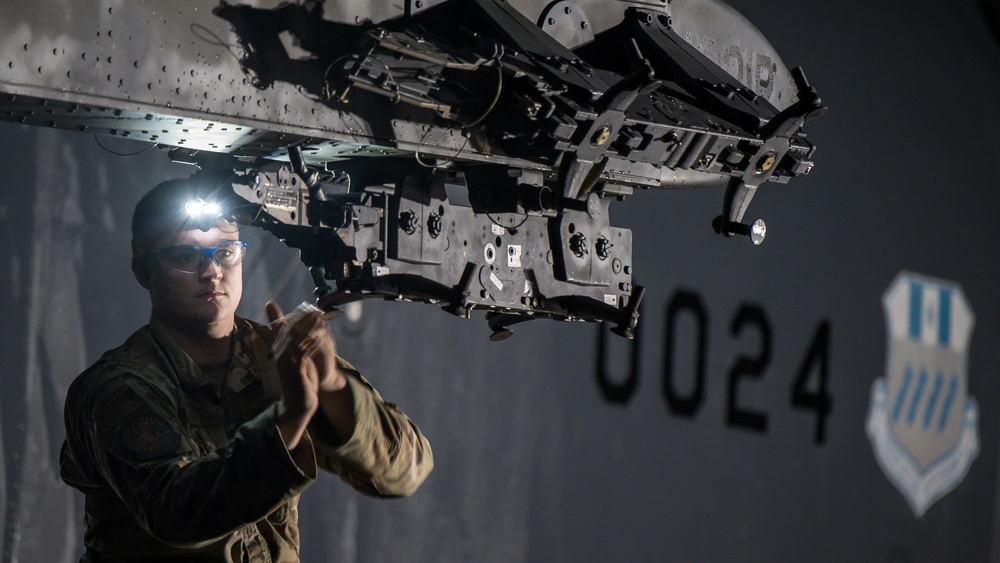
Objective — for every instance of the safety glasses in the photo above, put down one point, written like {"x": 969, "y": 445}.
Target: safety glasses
{"x": 191, "y": 259}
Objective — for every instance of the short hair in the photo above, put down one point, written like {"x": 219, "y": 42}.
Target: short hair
{"x": 162, "y": 210}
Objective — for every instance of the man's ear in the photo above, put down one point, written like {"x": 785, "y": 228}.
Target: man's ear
{"x": 140, "y": 271}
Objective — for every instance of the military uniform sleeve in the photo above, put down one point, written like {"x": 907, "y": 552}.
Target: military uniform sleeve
{"x": 387, "y": 456}
{"x": 134, "y": 437}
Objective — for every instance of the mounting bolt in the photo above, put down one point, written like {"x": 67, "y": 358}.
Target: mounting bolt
{"x": 766, "y": 162}
{"x": 601, "y": 137}
{"x": 408, "y": 222}
{"x": 578, "y": 244}
{"x": 434, "y": 225}
{"x": 602, "y": 246}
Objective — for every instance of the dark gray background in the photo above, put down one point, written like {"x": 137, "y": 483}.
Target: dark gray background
{"x": 532, "y": 463}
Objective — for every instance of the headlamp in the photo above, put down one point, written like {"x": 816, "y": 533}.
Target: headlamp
{"x": 205, "y": 214}
{"x": 199, "y": 208}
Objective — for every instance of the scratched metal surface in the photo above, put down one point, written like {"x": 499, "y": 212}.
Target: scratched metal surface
{"x": 242, "y": 78}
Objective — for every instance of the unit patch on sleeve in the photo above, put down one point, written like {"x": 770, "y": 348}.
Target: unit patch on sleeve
{"x": 922, "y": 423}
{"x": 148, "y": 436}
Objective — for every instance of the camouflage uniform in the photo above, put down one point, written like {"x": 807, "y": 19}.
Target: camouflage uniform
{"x": 176, "y": 466}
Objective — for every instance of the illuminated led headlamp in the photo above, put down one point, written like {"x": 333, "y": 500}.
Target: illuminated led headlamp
{"x": 205, "y": 214}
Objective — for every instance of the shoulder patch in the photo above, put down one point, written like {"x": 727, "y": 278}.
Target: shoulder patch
{"x": 148, "y": 436}
{"x": 122, "y": 406}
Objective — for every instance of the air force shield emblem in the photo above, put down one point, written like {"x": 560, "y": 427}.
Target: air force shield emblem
{"x": 922, "y": 423}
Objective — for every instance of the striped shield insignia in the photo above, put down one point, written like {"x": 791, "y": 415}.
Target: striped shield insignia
{"x": 922, "y": 423}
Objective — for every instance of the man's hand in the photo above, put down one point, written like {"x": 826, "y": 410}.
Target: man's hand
{"x": 310, "y": 380}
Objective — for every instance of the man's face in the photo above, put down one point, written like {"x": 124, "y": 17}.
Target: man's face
{"x": 194, "y": 300}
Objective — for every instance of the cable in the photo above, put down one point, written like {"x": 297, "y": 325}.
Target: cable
{"x": 493, "y": 104}
{"x": 509, "y": 228}
{"x": 197, "y": 27}
{"x": 260, "y": 208}
{"x": 100, "y": 144}
{"x": 498, "y": 54}
{"x": 421, "y": 143}
{"x": 326, "y": 74}
{"x": 218, "y": 40}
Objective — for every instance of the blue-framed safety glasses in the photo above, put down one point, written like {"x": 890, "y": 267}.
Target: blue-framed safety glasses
{"x": 191, "y": 259}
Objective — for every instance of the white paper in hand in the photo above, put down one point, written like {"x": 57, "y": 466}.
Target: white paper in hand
{"x": 283, "y": 339}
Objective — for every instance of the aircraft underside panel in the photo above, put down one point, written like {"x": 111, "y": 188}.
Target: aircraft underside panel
{"x": 534, "y": 115}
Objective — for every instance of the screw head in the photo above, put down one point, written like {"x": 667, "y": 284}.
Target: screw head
{"x": 766, "y": 162}
{"x": 601, "y": 136}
